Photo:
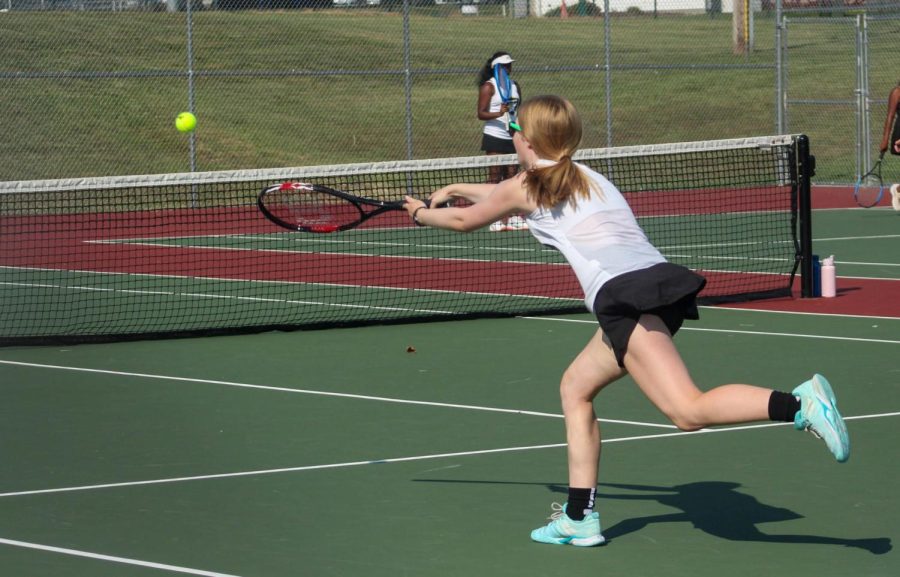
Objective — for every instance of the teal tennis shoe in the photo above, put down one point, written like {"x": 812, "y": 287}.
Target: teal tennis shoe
{"x": 819, "y": 415}
{"x": 564, "y": 531}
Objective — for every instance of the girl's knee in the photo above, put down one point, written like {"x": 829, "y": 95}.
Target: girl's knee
{"x": 684, "y": 416}
{"x": 573, "y": 389}
{"x": 687, "y": 425}
{"x": 568, "y": 386}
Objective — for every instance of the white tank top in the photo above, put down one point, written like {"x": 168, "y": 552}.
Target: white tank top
{"x": 497, "y": 127}
{"x": 600, "y": 237}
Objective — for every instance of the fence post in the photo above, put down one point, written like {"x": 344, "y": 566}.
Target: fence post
{"x": 864, "y": 73}
{"x": 861, "y": 153}
{"x": 607, "y": 46}
{"x": 779, "y": 68}
{"x": 407, "y": 76}
{"x": 192, "y": 139}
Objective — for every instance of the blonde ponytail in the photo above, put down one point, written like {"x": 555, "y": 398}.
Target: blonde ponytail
{"x": 553, "y": 128}
{"x": 560, "y": 182}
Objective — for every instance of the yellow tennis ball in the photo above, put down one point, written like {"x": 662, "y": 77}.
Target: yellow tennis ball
{"x": 185, "y": 122}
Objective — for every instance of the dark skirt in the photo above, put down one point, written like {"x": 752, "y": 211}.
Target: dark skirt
{"x": 497, "y": 145}
{"x": 666, "y": 290}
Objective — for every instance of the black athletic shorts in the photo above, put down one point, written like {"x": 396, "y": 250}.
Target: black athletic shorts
{"x": 497, "y": 145}
{"x": 666, "y": 290}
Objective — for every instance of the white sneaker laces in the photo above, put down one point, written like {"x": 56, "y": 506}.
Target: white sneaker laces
{"x": 558, "y": 511}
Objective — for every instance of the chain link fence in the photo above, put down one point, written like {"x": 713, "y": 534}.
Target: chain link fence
{"x": 845, "y": 115}
{"x": 92, "y": 87}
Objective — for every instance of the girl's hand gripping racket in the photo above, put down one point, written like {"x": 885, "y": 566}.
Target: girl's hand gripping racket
{"x": 314, "y": 208}
{"x": 870, "y": 188}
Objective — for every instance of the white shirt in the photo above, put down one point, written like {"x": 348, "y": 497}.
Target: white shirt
{"x": 600, "y": 237}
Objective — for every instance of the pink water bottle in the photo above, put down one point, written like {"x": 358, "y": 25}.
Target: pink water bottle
{"x": 829, "y": 288}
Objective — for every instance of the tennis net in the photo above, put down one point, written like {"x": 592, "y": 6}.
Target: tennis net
{"x": 171, "y": 255}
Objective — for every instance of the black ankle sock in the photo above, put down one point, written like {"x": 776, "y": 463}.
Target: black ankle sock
{"x": 581, "y": 503}
{"x": 783, "y": 406}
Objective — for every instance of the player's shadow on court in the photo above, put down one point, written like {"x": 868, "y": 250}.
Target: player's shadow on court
{"x": 714, "y": 507}
{"x": 719, "y": 509}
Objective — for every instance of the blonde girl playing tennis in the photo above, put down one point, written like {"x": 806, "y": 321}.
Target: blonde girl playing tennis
{"x": 639, "y": 299}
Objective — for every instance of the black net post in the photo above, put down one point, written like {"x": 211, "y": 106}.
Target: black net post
{"x": 806, "y": 169}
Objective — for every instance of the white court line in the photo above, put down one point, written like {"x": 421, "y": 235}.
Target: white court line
{"x": 127, "y": 242}
{"x": 665, "y": 249}
{"x": 399, "y": 459}
{"x": 276, "y": 471}
{"x": 314, "y": 392}
{"x": 763, "y": 333}
{"x": 824, "y": 337}
{"x": 144, "y": 292}
{"x": 811, "y": 314}
{"x": 315, "y": 241}
{"x": 228, "y": 297}
{"x": 866, "y": 264}
{"x": 112, "y": 558}
{"x": 255, "y": 282}
{"x": 171, "y": 241}
{"x": 873, "y": 237}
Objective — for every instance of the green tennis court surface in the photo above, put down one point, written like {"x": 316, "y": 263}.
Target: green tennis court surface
{"x": 340, "y": 453}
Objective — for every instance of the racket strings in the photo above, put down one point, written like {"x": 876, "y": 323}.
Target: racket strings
{"x": 311, "y": 209}
{"x": 504, "y": 84}
{"x": 870, "y": 187}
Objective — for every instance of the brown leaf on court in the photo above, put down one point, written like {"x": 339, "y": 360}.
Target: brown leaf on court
{"x": 410, "y": 349}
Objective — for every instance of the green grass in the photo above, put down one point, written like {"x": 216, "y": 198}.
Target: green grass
{"x": 56, "y": 125}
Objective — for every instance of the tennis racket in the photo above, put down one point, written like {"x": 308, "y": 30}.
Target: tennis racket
{"x": 504, "y": 89}
{"x": 314, "y": 208}
{"x": 504, "y": 83}
{"x": 870, "y": 188}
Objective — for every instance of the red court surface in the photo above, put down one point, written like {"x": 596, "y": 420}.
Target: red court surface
{"x": 855, "y": 296}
